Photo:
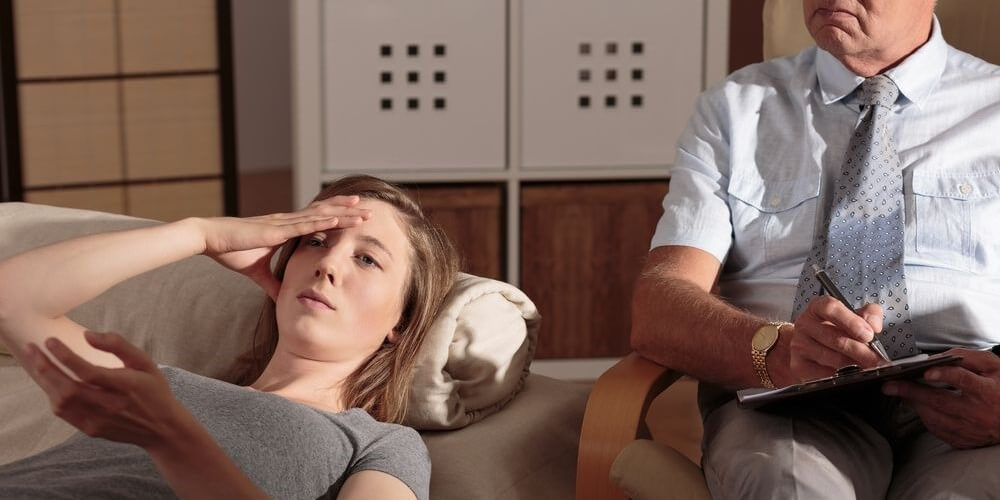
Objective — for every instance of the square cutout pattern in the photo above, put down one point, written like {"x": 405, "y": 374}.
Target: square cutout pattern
{"x": 412, "y": 78}
{"x": 630, "y": 53}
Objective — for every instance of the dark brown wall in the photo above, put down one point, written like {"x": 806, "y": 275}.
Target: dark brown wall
{"x": 746, "y": 33}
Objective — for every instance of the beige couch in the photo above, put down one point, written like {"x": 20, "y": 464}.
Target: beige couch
{"x": 527, "y": 449}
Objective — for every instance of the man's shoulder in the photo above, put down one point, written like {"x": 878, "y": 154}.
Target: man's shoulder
{"x": 781, "y": 74}
{"x": 962, "y": 64}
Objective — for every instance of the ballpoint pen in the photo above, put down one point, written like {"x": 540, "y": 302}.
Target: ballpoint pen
{"x": 831, "y": 289}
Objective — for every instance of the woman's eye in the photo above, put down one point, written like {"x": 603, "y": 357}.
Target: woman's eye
{"x": 367, "y": 261}
{"x": 314, "y": 242}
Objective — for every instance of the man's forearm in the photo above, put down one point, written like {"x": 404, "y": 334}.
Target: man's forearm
{"x": 678, "y": 324}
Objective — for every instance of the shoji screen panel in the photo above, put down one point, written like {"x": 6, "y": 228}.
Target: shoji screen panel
{"x": 70, "y": 132}
{"x": 65, "y": 37}
{"x": 173, "y": 35}
{"x": 122, "y": 104}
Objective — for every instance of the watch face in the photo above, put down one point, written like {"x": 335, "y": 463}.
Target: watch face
{"x": 764, "y": 338}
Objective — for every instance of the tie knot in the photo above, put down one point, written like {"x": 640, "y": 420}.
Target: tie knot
{"x": 880, "y": 90}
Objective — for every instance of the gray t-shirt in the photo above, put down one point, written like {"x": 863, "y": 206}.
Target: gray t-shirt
{"x": 287, "y": 449}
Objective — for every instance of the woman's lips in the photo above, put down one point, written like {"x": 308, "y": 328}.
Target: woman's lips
{"x": 314, "y": 303}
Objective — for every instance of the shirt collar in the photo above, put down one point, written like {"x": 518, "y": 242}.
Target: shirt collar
{"x": 916, "y": 76}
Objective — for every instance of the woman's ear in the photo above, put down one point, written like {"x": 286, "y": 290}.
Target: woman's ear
{"x": 393, "y": 336}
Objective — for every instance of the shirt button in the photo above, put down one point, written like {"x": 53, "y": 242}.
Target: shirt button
{"x": 775, "y": 201}
{"x": 965, "y": 188}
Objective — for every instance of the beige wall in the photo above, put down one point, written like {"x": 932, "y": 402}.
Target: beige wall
{"x": 261, "y": 60}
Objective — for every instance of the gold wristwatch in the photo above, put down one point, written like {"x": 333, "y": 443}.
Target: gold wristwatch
{"x": 763, "y": 340}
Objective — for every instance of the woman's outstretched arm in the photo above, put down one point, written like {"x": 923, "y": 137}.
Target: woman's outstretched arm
{"x": 134, "y": 405}
{"x": 38, "y": 287}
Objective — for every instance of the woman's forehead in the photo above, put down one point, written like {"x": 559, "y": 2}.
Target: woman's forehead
{"x": 384, "y": 223}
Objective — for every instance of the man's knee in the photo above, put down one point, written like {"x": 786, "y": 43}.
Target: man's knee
{"x": 750, "y": 454}
{"x": 934, "y": 470}
{"x": 742, "y": 474}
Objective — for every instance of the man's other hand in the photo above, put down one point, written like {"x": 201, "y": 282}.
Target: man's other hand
{"x": 968, "y": 417}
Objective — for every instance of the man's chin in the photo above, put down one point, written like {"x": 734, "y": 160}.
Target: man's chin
{"x": 834, "y": 40}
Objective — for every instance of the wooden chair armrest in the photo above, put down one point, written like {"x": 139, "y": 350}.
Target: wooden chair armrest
{"x": 616, "y": 416}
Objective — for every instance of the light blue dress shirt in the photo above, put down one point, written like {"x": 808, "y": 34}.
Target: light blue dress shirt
{"x": 756, "y": 164}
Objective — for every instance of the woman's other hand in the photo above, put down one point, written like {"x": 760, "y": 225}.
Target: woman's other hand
{"x": 130, "y": 405}
{"x": 247, "y": 245}
{"x": 134, "y": 405}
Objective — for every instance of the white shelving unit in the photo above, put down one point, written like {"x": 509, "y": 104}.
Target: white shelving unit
{"x": 499, "y": 91}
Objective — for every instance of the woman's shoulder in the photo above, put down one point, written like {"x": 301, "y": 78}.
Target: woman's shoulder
{"x": 394, "y": 449}
{"x": 359, "y": 420}
{"x": 381, "y": 438}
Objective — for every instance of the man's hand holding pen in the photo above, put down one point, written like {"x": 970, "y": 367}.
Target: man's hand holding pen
{"x": 828, "y": 335}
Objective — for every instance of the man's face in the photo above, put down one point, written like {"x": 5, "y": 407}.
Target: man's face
{"x": 868, "y": 28}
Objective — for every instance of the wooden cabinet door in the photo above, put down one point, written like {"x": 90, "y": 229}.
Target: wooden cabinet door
{"x": 472, "y": 216}
{"x": 582, "y": 247}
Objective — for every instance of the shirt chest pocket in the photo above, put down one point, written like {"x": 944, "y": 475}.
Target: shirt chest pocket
{"x": 956, "y": 218}
{"x": 774, "y": 220}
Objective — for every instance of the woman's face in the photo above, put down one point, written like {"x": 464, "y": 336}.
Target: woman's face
{"x": 342, "y": 291}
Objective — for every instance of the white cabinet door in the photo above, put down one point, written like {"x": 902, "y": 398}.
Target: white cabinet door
{"x": 414, "y": 86}
{"x": 608, "y": 83}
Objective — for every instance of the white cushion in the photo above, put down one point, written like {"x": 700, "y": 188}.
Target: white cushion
{"x": 476, "y": 354}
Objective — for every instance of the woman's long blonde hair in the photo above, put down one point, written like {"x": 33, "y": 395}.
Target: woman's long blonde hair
{"x": 380, "y": 385}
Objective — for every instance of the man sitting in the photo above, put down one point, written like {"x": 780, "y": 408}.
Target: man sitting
{"x": 872, "y": 156}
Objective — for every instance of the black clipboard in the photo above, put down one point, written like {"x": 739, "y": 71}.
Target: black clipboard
{"x": 909, "y": 368}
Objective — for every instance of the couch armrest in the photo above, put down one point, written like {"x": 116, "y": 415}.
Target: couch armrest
{"x": 616, "y": 416}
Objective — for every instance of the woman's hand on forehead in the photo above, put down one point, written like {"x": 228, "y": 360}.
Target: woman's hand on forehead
{"x": 341, "y": 200}
{"x": 247, "y": 245}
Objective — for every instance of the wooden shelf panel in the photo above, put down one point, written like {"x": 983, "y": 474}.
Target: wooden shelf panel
{"x": 582, "y": 247}
{"x": 472, "y": 215}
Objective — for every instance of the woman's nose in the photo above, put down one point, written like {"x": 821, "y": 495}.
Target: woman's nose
{"x": 328, "y": 274}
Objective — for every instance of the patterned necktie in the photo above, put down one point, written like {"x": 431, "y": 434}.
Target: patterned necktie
{"x": 861, "y": 244}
